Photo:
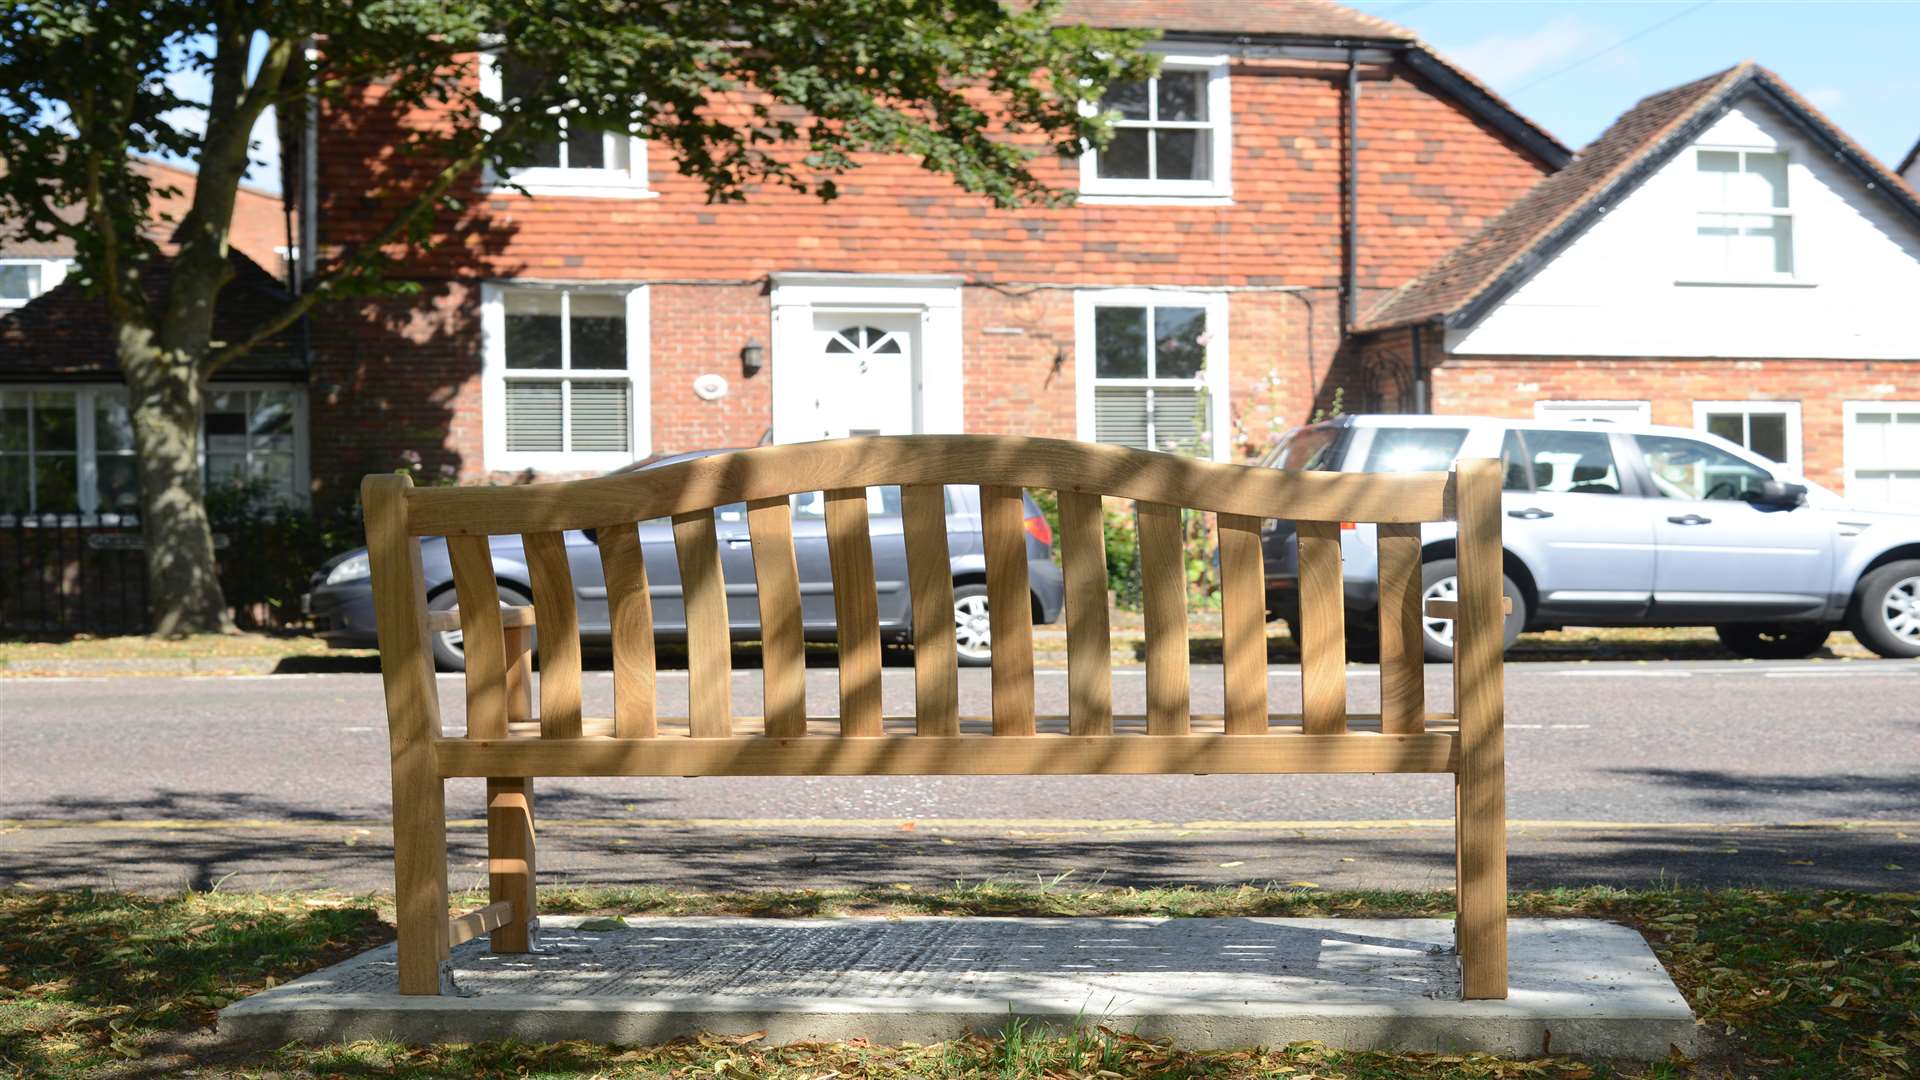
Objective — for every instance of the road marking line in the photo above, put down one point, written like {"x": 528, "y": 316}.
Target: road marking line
{"x": 921, "y": 824}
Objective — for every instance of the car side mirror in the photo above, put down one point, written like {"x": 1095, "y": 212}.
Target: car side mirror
{"x": 1780, "y": 493}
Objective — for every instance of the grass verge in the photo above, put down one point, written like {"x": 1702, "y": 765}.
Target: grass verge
{"x": 102, "y": 984}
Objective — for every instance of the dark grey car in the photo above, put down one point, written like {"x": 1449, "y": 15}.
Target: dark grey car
{"x": 341, "y": 601}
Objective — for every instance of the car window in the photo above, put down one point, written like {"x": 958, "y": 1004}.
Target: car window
{"x": 1575, "y": 462}
{"x": 1513, "y": 464}
{"x": 1685, "y": 469}
{"x": 881, "y": 502}
{"x": 1314, "y": 449}
{"x": 1413, "y": 449}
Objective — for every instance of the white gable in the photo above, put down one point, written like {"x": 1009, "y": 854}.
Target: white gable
{"x": 1632, "y": 284}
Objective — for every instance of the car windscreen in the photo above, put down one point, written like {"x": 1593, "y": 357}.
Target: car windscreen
{"x": 1309, "y": 449}
{"x": 1413, "y": 449}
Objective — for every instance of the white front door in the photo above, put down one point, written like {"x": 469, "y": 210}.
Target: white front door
{"x": 863, "y": 375}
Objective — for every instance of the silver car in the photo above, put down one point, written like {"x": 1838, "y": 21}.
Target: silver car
{"x": 341, "y": 600}
{"x": 1616, "y": 525}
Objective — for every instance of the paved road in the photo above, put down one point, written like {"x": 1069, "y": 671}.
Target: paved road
{"x": 1706, "y": 772}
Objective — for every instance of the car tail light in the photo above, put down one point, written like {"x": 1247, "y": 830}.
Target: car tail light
{"x": 1348, "y": 525}
{"x": 1038, "y": 528}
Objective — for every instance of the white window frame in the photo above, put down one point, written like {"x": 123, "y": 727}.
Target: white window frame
{"x": 1214, "y": 374}
{"x": 52, "y": 273}
{"x": 1703, "y": 275}
{"x": 1850, "y": 412}
{"x": 494, "y": 376}
{"x": 87, "y": 458}
{"x": 1595, "y": 410}
{"x": 1218, "y": 188}
{"x": 1788, "y": 409}
{"x": 628, "y": 183}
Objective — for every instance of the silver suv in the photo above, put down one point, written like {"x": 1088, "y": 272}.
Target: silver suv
{"x": 1616, "y": 525}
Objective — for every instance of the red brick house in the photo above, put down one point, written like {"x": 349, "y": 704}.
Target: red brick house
{"x": 1722, "y": 257}
{"x": 1195, "y": 298}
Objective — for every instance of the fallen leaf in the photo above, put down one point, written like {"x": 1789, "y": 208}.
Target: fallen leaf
{"x": 1302, "y": 885}
{"x": 907, "y": 826}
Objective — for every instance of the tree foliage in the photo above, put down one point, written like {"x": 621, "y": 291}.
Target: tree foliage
{"x": 740, "y": 95}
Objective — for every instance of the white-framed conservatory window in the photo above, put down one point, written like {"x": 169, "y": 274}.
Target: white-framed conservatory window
{"x": 69, "y": 449}
{"x": 22, "y": 280}
{"x": 1173, "y": 134}
{"x": 566, "y": 384}
{"x": 593, "y": 164}
{"x": 1743, "y": 217}
{"x": 1150, "y": 370}
{"x": 1768, "y": 428}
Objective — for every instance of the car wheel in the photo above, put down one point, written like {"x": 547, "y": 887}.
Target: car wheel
{"x": 1440, "y": 580}
{"x": 972, "y": 632}
{"x": 1773, "y": 641}
{"x": 1887, "y": 615}
{"x": 448, "y": 654}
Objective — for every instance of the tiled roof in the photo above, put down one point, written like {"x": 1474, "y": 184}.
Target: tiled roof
{"x": 1285, "y": 18}
{"x": 1643, "y": 134}
{"x": 1907, "y": 162}
{"x": 64, "y": 333}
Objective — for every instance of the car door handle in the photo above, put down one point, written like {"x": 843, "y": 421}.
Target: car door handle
{"x": 1531, "y": 513}
{"x": 738, "y": 540}
{"x": 1690, "y": 519}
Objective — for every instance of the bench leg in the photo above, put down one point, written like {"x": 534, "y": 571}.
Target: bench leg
{"x": 1480, "y": 859}
{"x": 510, "y": 860}
{"x": 420, "y": 882}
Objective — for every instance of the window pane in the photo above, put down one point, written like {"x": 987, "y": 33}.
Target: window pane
{"x": 13, "y": 484}
{"x": 586, "y": 147}
{"x": 273, "y": 473}
{"x": 533, "y": 417}
{"x": 1177, "y": 349}
{"x": 56, "y": 484}
{"x": 600, "y": 417}
{"x": 1182, "y": 95}
{"x": 1729, "y": 426}
{"x": 19, "y": 282}
{"x": 533, "y": 329}
{"x": 1714, "y": 177}
{"x": 1413, "y": 449}
{"x": 13, "y": 421}
{"x": 112, "y": 427}
{"x": 1120, "y": 415}
{"x": 1686, "y": 469}
{"x": 226, "y": 431}
{"x": 1120, "y": 342}
{"x": 1767, "y": 436}
{"x": 1183, "y": 154}
{"x": 1513, "y": 464}
{"x": 1180, "y": 421}
{"x": 1129, "y": 99}
{"x": 1125, "y": 158}
{"x": 226, "y": 468}
{"x": 56, "y": 421}
{"x": 520, "y": 81}
{"x": 119, "y": 484}
{"x": 1763, "y": 184}
{"x": 598, "y": 323}
{"x": 1580, "y": 462}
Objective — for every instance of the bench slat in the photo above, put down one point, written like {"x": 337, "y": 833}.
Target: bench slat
{"x": 965, "y": 755}
{"x": 1003, "y": 530}
{"x": 936, "y": 680}
{"x": 1403, "y": 671}
{"x": 482, "y": 638}
{"x": 1163, "y": 587}
{"x": 709, "y": 640}
{"x": 1323, "y": 629}
{"x": 559, "y": 634}
{"x": 1243, "y": 624}
{"x": 856, "y": 611}
{"x": 623, "y": 565}
{"x": 1083, "y": 557}
{"x": 783, "y": 647}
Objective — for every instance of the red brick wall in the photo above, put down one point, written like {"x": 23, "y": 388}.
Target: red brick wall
{"x": 699, "y": 329}
{"x": 1509, "y": 386}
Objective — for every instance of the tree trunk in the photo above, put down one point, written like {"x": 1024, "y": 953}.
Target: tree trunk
{"x": 183, "y": 581}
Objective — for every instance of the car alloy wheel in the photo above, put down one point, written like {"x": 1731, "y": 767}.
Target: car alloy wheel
{"x": 1900, "y": 609}
{"x": 972, "y": 629}
{"x": 1440, "y": 630}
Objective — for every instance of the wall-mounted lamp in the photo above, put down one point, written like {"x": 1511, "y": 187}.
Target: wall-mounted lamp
{"x": 752, "y": 356}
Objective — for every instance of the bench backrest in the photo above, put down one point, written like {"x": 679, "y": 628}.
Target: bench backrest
{"x": 1082, "y": 473}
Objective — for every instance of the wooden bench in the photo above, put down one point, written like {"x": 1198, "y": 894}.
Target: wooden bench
{"x": 509, "y": 744}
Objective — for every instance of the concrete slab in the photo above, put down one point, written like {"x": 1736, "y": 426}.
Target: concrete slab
{"x": 1580, "y": 986}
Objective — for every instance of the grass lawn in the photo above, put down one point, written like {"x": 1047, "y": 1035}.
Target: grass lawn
{"x": 100, "y": 983}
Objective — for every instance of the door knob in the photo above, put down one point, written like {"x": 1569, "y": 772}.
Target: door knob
{"x": 1531, "y": 513}
{"x": 1690, "y": 519}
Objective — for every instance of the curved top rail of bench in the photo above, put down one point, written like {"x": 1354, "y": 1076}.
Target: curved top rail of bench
{"x": 1010, "y": 460}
